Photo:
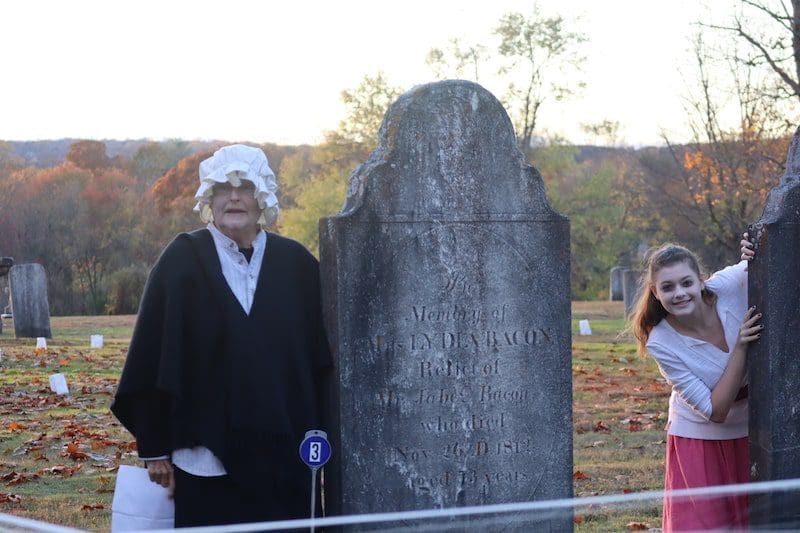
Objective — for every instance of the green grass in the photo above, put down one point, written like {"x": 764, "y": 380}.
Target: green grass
{"x": 59, "y": 454}
{"x": 619, "y": 413}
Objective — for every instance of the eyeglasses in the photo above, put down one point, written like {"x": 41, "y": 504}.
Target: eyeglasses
{"x": 225, "y": 189}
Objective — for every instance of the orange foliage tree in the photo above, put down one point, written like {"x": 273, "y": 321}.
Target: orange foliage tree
{"x": 716, "y": 185}
{"x": 75, "y": 220}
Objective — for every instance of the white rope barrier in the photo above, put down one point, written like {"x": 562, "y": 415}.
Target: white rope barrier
{"x": 545, "y": 506}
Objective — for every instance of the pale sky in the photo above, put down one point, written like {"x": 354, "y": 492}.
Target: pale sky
{"x": 262, "y": 71}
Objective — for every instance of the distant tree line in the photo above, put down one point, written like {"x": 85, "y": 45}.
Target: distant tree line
{"x": 98, "y": 225}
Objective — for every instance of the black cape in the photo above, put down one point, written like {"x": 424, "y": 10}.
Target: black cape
{"x": 202, "y": 372}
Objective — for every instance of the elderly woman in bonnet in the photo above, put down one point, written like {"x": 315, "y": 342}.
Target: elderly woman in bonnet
{"x": 228, "y": 355}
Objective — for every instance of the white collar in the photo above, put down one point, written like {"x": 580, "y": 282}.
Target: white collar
{"x": 226, "y": 243}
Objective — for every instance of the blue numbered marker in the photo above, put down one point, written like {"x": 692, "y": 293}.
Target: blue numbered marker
{"x": 315, "y": 450}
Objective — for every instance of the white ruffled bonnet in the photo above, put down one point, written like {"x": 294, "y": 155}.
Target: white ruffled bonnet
{"x": 232, "y": 164}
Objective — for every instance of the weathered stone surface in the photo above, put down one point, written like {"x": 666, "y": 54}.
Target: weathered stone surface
{"x": 631, "y": 281}
{"x": 447, "y": 301}
{"x": 29, "y": 300}
{"x": 615, "y": 284}
{"x": 774, "y": 360}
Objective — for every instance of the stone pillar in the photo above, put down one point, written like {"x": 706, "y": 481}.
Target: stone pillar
{"x": 631, "y": 280}
{"x": 447, "y": 301}
{"x": 29, "y": 300}
{"x": 615, "y": 284}
{"x": 774, "y": 360}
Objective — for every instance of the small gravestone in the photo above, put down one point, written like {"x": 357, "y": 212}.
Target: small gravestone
{"x": 447, "y": 301}
{"x": 615, "y": 284}
{"x": 58, "y": 384}
{"x": 774, "y": 360}
{"x": 631, "y": 280}
{"x": 96, "y": 341}
{"x": 5, "y": 265}
{"x": 31, "y": 309}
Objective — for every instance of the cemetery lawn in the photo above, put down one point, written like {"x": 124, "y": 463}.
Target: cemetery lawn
{"x": 59, "y": 454}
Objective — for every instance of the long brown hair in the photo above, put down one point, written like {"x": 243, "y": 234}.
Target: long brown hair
{"x": 648, "y": 311}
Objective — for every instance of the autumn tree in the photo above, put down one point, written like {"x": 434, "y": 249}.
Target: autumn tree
{"x": 365, "y": 107}
{"x": 591, "y": 187}
{"x": 89, "y": 155}
{"x": 458, "y": 60}
{"x": 538, "y": 60}
{"x": 153, "y": 159}
{"x": 10, "y": 160}
{"x": 719, "y": 181}
{"x": 542, "y": 56}
{"x": 318, "y": 178}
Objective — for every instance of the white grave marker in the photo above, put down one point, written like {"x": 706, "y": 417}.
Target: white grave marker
{"x": 58, "y": 384}
{"x": 585, "y": 328}
{"x": 96, "y": 341}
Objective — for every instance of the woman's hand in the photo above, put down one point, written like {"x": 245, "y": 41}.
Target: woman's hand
{"x": 748, "y": 250}
{"x": 161, "y": 472}
{"x": 750, "y": 329}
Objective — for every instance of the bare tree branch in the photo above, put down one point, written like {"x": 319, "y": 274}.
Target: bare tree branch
{"x": 784, "y": 20}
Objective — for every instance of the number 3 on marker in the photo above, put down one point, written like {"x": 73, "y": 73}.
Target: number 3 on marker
{"x": 313, "y": 452}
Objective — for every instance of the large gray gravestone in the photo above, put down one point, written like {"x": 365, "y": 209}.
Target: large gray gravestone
{"x": 31, "y": 309}
{"x": 615, "y": 284}
{"x": 447, "y": 301}
{"x": 774, "y": 360}
{"x": 631, "y": 281}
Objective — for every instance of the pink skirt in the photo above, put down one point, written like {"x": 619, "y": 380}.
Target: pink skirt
{"x": 695, "y": 463}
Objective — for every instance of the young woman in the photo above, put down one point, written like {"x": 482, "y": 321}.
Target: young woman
{"x": 697, "y": 331}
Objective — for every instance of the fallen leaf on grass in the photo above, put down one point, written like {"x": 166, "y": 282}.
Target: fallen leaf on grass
{"x": 16, "y": 478}
{"x": 92, "y": 507}
{"x": 637, "y": 526}
{"x": 13, "y": 426}
{"x": 579, "y": 475}
{"x": 60, "y": 470}
{"x": 634, "y": 424}
{"x": 129, "y": 446}
{"x": 578, "y": 519}
{"x": 600, "y": 426}
{"x": 73, "y": 452}
{"x": 9, "y": 498}
{"x": 97, "y": 444}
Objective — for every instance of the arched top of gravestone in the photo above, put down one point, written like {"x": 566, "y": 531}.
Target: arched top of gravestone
{"x": 783, "y": 201}
{"x": 447, "y": 151}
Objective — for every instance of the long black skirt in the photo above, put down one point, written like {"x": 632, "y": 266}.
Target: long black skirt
{"x": 206, "y": 501}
